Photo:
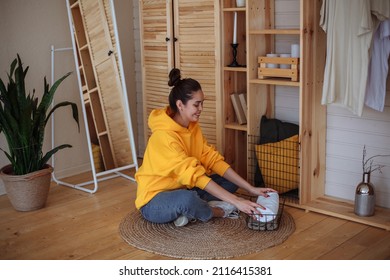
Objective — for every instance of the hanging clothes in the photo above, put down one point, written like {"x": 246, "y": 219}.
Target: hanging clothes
{"x": 381, "y": 9}
{"x": 378, "y": 68}
{"x": 349, "y": 25}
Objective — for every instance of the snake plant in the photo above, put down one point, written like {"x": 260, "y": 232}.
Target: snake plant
{"x": 23, "y": 120}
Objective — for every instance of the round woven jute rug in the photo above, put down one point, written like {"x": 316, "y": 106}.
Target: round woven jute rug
{"x": 216, "y": 239}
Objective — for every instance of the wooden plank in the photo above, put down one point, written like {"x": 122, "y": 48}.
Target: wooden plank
{"x": 275, "y": 81}
{"x": 379, "y": 250}
{"x": 303, "y": 222}
{"x": 275, "y": 31}
{"x": 196, "y": 54}
{"x": 345, "y": 210}
{"x": 355, "y": 247}
{"x": 156, "y": 55}
{"x": 304, "y": 236}
{"x": 334, "y": 238}
{"x": 312, "y": 114}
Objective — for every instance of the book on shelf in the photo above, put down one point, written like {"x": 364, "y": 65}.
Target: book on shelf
{"x": 240, "y": 115}
{"x": 244, "y": 106}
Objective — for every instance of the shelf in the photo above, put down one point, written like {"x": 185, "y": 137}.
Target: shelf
{"x": 105, "y": 148}
{"x": 235, "y": 69}
{"x": 97, "y": 111}
{"x": 84, "y": 47}
{"x": 103, "y": 133}
{"x": 234, "y": 9}
{"x": 275, "y": 32}
{"x": 344, "y": 209}
{"x": 75, "y": 4}
{"x": 236, "y": 126}
{"x": 275, "y": 82}
{"x": 95, "y": 89}
{"x": 84, "y": 90}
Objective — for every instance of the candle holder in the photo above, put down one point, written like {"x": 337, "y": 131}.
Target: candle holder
{"x": 234, "y": 62}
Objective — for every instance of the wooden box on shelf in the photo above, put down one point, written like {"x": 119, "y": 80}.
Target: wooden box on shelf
{"x": 290, "y": 72}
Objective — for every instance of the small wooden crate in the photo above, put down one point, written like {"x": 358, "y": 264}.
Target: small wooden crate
{"x": 264, "y": 72}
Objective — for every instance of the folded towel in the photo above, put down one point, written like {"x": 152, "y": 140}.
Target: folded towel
{"x": 271, "y": 204}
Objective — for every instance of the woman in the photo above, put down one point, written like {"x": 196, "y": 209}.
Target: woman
{"x": 175, "y": 181}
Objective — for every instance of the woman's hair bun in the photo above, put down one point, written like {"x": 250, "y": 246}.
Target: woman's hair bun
{"x": 174, "y": 77}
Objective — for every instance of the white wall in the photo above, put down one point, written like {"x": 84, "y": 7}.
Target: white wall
{"x": 286, "y": 98}
{"x": 346, "y": 136}
{"x": 30, "y": 28}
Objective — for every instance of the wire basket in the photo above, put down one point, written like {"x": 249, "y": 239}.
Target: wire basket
{"x": 270, "y": 221}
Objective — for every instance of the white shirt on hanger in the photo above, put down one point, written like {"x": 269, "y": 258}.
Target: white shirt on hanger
{"x": 348, "y": 25}
{"x": 378, "y": 68}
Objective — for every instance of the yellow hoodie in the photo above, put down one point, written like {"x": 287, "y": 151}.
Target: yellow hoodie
{"x": 175, "y": 157}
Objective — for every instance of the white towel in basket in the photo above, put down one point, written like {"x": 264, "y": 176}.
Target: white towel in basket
{"x": 271, "y": 204}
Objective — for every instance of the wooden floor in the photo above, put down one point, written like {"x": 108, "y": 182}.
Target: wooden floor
{"x": 78, "y": 225}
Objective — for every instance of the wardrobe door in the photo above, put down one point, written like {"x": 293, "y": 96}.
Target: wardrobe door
{"x": 197, "y": 55}
{"x": 182, "y": 34}
{"x": 113, "y": 133}
{"x": 157, "y": 54}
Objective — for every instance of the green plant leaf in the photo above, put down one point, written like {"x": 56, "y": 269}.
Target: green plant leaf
{"x": 50, "y": 153}
{"x": 75, "y": 112}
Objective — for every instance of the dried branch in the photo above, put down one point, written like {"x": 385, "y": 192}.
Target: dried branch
{"x": 368, "y": 164}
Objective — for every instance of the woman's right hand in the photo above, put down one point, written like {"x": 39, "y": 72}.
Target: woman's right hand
{"x": 248, "y": 207}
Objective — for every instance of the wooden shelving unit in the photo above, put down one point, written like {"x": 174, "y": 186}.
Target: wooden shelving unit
{"x": 234, "y": 81}
{"x": 257, "y": 38}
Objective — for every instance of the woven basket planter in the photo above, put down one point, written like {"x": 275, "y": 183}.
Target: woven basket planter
{"x": 27, "y": 192}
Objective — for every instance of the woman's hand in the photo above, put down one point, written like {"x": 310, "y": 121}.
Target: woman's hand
{"x": 261, "y": 191}
{"x": 233, "y": 177}
{"x": 248, "y": 207}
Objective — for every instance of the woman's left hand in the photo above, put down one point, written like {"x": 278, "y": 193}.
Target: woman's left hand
{"x": 261, "y": 191}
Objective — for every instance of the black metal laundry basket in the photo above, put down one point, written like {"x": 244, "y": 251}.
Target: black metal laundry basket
{"x": 271, "y": 221}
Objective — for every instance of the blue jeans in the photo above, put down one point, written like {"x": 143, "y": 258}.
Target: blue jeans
{"x": 167, "y": 206}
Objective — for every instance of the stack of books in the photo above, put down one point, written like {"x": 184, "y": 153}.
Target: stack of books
{"x": 240, "y": 107}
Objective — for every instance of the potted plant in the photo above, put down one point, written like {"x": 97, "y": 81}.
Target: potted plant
{"x": 23, "y": 120}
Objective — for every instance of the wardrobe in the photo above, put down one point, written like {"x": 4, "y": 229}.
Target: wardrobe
{"x": 183, "y": 34}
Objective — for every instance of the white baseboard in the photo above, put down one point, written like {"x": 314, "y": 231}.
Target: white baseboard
{"x": 59, "y": 174}
{"x": 2, "y": 189}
